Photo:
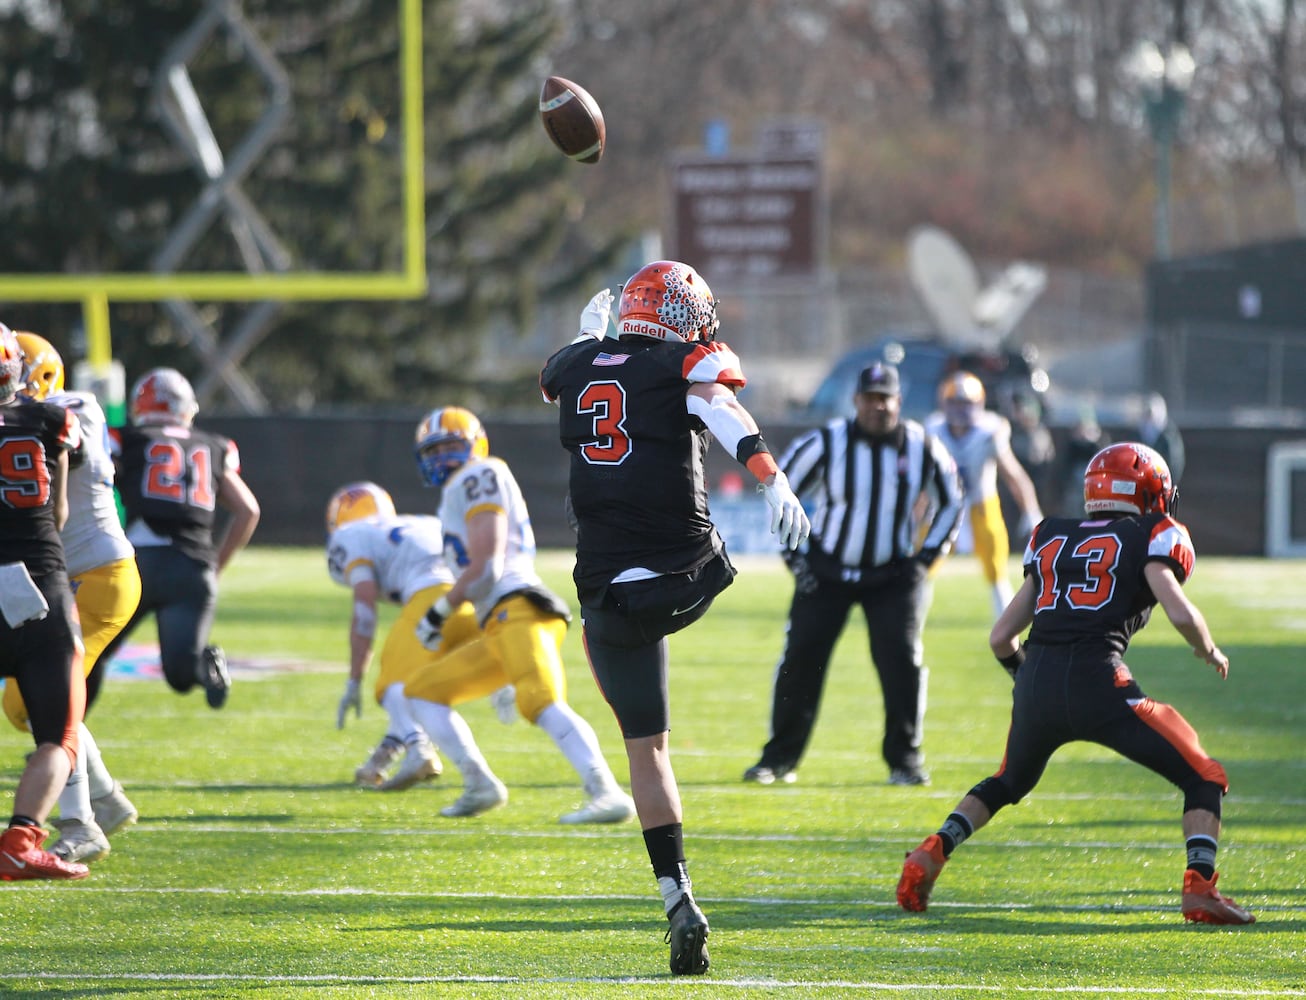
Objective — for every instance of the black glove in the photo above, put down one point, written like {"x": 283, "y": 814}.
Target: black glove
{"x": 927, "y": 558}
{"x": 1012, "y": 663}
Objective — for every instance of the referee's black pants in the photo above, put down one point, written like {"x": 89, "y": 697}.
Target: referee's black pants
{"x": 895, "y": 616}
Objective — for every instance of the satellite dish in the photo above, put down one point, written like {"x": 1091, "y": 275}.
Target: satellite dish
{"x": 1004, "y": 303}
{"x": 948, "y": 282}
{"x": 945, "y": 278}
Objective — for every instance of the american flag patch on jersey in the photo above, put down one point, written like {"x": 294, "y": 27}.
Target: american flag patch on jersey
{"x": 604, "y": 358}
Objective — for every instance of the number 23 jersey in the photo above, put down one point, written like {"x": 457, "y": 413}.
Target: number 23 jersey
{"x": 168, "y": 478}
{"x": 1089, "y": 573}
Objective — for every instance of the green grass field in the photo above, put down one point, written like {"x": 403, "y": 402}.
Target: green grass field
{"x": 258, "y": 871}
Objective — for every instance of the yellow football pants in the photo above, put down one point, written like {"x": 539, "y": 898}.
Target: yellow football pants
{"x": 520, "y": 645}
{"x": 989, "y": 531}
{"x": 403, "y": 655}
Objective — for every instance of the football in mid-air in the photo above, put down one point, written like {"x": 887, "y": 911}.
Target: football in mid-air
{"x": 573, "y": 119}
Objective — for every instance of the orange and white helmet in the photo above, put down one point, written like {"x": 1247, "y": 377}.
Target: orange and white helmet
{"x": 667, "y": 300}
{"x": 163, "y": 396}
{"x": 355, "y": 502}
{"x": 1129, "y": 478}
{"x": 42, "y": 366}
{"x": 435, "y": 460}
{"x": 961, "y": 397}
{"x": 11, "y": 364}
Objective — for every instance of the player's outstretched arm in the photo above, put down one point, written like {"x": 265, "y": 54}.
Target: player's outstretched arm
{"x": 736, "y": 430}
{"x": 1184, "y": 615}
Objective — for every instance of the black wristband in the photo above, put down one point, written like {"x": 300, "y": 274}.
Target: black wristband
{"x": 1012, "y": 663}
{"x": 750, "y": 446}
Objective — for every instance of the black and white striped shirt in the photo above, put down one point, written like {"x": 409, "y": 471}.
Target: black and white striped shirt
{"x": 865, "y": 494}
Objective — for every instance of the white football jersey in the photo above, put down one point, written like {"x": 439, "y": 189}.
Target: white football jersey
{"x": 479, "y": 486}
{"x": 402, "y": 554}
{"x": 93, "y": 534}
{"x": 976, "y": 451}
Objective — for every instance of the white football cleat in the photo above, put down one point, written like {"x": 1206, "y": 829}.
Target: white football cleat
{"x": 113, "y": 810}
{"x": 372, "y": 771}
{"x": 480, "y": 794}
{"x": 607, "y": 804}
{"x": 78, "y": 841}
{"x": 420, "y": 763}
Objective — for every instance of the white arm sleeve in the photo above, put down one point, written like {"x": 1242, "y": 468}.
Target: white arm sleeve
{"x": 721, "y": 416}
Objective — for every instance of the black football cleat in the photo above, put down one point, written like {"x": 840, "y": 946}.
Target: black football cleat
{"x": 214, "y": 676}
{"x": 687, "y": 936}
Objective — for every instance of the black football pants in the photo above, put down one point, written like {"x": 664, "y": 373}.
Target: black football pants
{"x": 895, "y": 617}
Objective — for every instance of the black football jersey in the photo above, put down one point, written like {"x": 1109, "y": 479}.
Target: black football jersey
{"x": 637, "y": 454}
{"x": 169, "y": 477}
{"x": 32, "y": 434}
{"x": 1090, "y": 579}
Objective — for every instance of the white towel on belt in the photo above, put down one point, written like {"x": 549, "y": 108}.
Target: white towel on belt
{"x": 21, "y": 601}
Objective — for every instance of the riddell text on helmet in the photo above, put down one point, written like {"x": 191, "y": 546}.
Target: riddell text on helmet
{"x": 647, "y": 329}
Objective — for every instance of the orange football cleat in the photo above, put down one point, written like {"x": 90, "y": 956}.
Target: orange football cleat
{"x": 21, "y": 857}
{"x": 1204, "y": 905}
{"x": 919, "y": 871}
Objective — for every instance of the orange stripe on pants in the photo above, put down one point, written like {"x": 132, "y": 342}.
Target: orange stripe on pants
{"x": 1176, "y": 731}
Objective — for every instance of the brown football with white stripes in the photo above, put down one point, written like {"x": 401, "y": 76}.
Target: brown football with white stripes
{"x": 572, "y": 119}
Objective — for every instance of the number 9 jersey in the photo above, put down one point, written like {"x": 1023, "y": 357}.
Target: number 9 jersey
{"x": 168, "y": 478}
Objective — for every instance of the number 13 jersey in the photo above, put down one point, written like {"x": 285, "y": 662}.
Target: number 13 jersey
{"x": 1090, "y": 579}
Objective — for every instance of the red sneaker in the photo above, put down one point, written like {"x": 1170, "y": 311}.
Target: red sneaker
{"x": 919, "y": 871}
{"x": 21, "y": 857}
{"x": 1204, "y": 905}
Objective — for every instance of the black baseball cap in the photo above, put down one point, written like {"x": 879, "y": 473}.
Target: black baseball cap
{"x": 880, "y": 377}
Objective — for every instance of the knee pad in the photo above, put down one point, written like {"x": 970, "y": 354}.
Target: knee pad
{"x": 1204, "y": 795}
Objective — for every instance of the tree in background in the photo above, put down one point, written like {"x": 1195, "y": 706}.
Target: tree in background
{"x": 90, "y": 182}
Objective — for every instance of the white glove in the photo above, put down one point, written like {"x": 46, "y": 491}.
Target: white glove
{"x": 505, "y": 704}
{"x": 788, "y": 519}
{"x": 594, "y": 318}
{"x": 350, "y": 699}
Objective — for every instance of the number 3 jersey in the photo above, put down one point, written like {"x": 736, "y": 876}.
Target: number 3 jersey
{"x": 637, "y": 453}
{"x": 168, "y": 478}
{"x": 1090, "y": 579}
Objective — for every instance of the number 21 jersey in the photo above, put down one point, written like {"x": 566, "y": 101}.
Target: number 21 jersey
{"x": 169, "y": 477}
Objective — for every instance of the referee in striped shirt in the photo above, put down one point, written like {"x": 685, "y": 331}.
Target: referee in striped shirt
{"x": 869, "y": 482}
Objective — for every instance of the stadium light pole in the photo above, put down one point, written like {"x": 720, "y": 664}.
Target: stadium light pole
{"x": 1163, "y": 76}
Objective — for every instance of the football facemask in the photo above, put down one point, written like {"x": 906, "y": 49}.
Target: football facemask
{"x": 42, "y": 366}
{"x": 446, "y": 440}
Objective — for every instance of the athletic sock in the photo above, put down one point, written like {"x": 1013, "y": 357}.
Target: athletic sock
{"x": 666, "y": 851}
{"x": 1201, "y": 855}
{"x": 956, "y": 830}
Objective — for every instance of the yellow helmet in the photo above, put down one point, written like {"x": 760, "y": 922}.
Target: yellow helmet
{"x": 961, "y": 387}
{"x": 42, "y": 366}
{"x": 439, "y": 427}
{"x": 357, "y": 501}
